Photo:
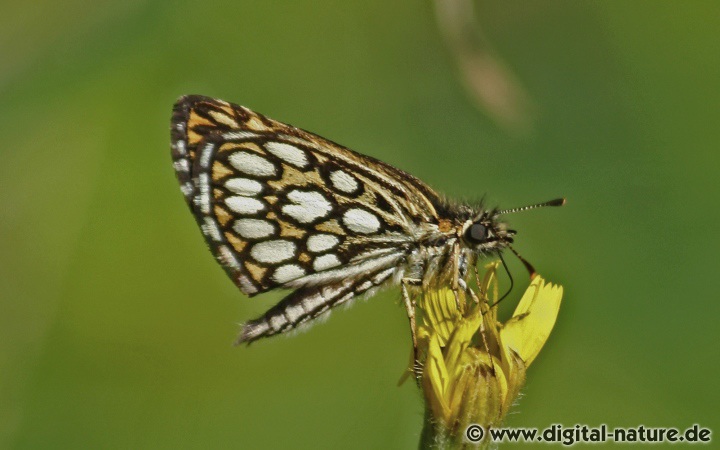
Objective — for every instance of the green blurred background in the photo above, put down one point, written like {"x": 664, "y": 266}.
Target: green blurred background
{"x": 116, "y": 324}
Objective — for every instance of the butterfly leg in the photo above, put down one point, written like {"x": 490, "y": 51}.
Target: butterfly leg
{"x": 410, "y": 306}
{"x": 477, "y": 278}
{"x": 456, "y": 277}
{"x": 469, "y": 291}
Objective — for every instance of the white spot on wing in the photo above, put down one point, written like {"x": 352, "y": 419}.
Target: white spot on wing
{"x": 233, "y": 135}
{"x": 313, "y": 302}
{"x": 277, "y": 322}
{"x": 307, "y": 207}
{"x": 294, "y": 312}
{"x": 288, "y": 272}
{"x": 181, "y": 165}
{"x": 288, "y": 153}
{"x": 180, "y": 145}
{"x": 246, "y": 285}
{"x": 244, "y": 205}
{"x": 273, "y": 252}
{"x": 325, "y": 262}
{"x": 253, "y": 228}
{"x": 210, "y": 229}
{"x": 383, "y": 275}
{"x": 344, "y": 182}
{"x": 223, "y": 119}
{"x": 227, "y": 258}
{"x": 318, "y": 243}
{"x": 206, "y": 153}
{"x": 203, "y": 199}
{"x": 244, "y": 186}
{"x": 187, "y": 188}
{"x": 252, "y": 164}
{"x": 361, "y": 221}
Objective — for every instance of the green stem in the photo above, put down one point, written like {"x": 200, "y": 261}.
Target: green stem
{"x": 436, "y": 437}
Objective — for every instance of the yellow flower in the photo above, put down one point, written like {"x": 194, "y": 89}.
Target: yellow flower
{"x": 473, "y": 366}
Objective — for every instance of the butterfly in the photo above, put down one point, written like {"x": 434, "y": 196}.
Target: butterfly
{"x": 280, "y": 207}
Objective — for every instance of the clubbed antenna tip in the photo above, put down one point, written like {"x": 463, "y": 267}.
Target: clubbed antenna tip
{"x": 557, "y": 202}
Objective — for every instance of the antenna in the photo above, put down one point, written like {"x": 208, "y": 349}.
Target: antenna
{"x": 526, "y": 263}
{"x": 556, "y": 202}
{"x": 531, "y": 270}
{"x": 512, "y": 283}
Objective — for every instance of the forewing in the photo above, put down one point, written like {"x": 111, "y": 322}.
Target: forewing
{"x": 280, "y": 206}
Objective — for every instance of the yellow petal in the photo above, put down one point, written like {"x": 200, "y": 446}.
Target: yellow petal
{"x": 439, "y": 312}
{"x": 458, "y": 344}
{"x": 515, "y": 380}
{"x": 436, "y": 380}
{"x": 533, "y": 320}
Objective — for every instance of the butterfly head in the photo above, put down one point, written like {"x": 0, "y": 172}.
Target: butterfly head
{"x": 488, "y": 233}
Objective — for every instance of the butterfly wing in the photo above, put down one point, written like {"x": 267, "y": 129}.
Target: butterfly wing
{"x": 282, "y": 207}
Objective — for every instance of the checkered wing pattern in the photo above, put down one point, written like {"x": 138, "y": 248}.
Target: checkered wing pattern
{"x": 282, "y": 207}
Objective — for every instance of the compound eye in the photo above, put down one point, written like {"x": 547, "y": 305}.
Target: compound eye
{"x": 477, "y": 232}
